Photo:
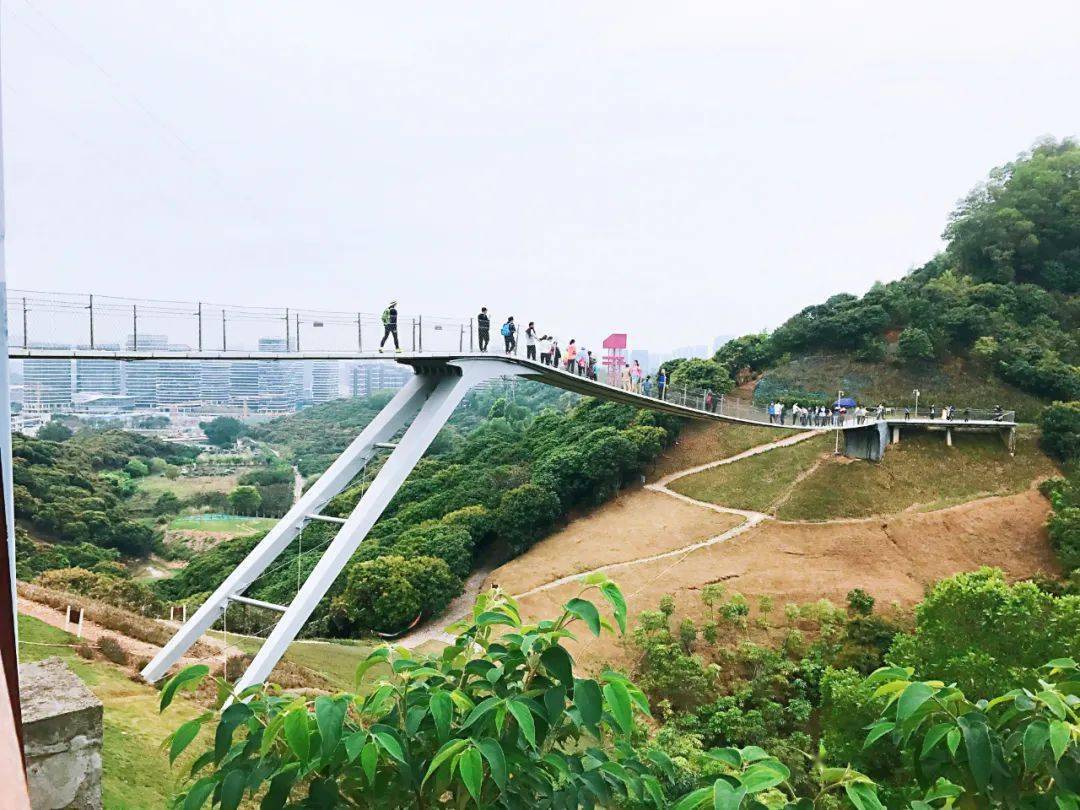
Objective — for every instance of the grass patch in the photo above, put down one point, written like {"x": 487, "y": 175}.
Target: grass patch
{"x": 702, "y": 442}
{"x": 238, "y": 525}
{"x": 183, "y": 487}
{"x": 334, "y": 660}
{"x": 136, "y": 773}
{"x": 919, "y": 472}
{"x": 956, "y": 382}
{"x": 757, "y": 482}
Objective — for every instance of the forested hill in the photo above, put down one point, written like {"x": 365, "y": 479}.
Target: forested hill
{"x": 1001, "y": 301}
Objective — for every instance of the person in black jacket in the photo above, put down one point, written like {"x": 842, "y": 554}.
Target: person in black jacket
{"x": 483, "y": 328}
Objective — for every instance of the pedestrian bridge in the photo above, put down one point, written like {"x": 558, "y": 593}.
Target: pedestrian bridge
{"x": 676, "y": 400}
{"x": 406, "y": 426}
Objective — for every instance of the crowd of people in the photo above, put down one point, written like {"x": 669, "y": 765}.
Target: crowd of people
{"x": 580, "y": 361}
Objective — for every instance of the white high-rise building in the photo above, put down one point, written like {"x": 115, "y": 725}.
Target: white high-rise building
{"x": 325, "y": 380}
{"x": 48, "y": 384}
{"x": 367, "y": 378}
{"x": 141, "y": 376}
{"x": 214, "y": 377}
{"x": 100, "y": 376}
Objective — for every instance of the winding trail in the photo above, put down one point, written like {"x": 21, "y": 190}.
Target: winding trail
{"x": 459, "y": 608}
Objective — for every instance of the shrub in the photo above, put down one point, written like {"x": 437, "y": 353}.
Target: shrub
{"x": 914, "y": 345}
{"x": 978, "y": 631}
{"x": 702, "y": 375}
{"x": 451, "y": 544}
{"x": 112, "y": 649}
{"x": 498, "y": 720}
{"x": 84, "y": 650}
{"x": 136, "y": 468}
{"x": 388, "y": 593}
{"x": 1060, "y": 424}
{"x": 525, "y": 514}
{"x": 108, "y": 588}
{"x": 476, "y": 520}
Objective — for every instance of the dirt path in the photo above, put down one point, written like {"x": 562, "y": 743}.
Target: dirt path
{"x": 894, "y": 557}
{"x": 93, "y": 632}
{"x": 457, "y": 610}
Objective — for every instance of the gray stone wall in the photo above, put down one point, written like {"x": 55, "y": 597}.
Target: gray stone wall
{"x": 62, "y": 730}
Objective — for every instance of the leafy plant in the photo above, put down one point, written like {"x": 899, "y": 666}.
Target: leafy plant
{"x": 496, "y": 719}
{"x": 1021, "y": 749}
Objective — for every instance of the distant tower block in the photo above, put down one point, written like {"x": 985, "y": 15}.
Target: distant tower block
{"x": 614, "y": 360}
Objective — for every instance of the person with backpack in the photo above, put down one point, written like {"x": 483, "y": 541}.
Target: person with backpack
{"x": 530, "y": 341}
{"x": 508, "y": 331}
{"x": 556, "y": 352}
{"x": 389, "y": 322}
{"x": 483, "y": 329}
{"x": 661, "y": 383}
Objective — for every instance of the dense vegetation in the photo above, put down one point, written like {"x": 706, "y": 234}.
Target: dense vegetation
{"x": 1003, "y": 295}
{"x": 499, "y": 719}
{"x": 73, "y": 492}
{"x": 499, "y": 488}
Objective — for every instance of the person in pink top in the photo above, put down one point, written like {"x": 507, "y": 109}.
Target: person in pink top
{"x": 635, "y": 377}
{"x": 571, "y": 356}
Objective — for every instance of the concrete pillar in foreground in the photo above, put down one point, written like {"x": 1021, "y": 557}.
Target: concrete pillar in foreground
{"x": 62, "y": 730}
{"x": 948, "y": 437}
{"x": 896, "y": 434}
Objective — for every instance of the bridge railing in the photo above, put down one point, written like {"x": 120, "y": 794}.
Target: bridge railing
{"x": 88, "y": 321}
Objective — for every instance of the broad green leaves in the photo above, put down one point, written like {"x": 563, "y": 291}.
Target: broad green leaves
{"x": 495, "y": 719}
{"x": 1018, "y": 743}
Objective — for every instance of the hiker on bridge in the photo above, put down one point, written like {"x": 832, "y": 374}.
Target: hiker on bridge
{"x": 661, "y": 383}
{"x": 635, "y": 377}
{"x": 509, "y": 333}
{"x": 483, "y": 329}
{"x": 571, "y": 355}
{"x": 389, "y": 322}
{"x": 530, "y": 341}
{"x": 545, "y": 349}
{"x": 556, "y": 352}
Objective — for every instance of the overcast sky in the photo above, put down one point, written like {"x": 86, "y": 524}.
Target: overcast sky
{"x": 674, "y": 170}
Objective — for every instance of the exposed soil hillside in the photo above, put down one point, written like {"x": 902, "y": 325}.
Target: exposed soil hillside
{"x": 894, "y": 557}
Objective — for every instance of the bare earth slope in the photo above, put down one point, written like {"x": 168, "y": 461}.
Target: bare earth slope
{"x": 893, "y": 557}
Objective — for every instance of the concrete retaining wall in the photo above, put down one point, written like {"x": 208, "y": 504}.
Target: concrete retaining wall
{"x": 62, "y": 727}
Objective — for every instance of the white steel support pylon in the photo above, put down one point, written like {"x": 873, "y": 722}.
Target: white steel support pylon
{"x": 428, "y": 400}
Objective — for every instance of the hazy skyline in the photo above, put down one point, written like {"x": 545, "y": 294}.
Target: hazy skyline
{"x": 675, "y": 171}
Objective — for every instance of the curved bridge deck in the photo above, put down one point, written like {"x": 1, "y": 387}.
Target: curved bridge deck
{"x": 677, "y": 401}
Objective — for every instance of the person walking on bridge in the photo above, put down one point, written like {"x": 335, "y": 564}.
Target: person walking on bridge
{"x": 509, "y": 333}
{"x": 389, "y": 322}
{"x": 571, "y": 356}
{"x": 661, "y": 383}
{"x": 556, "y": 352}
{"x": 545, "y": 349}
{"x": 483, "y": 329}
{"x": 530, "y": 341}
{"x": 635, "y": 377}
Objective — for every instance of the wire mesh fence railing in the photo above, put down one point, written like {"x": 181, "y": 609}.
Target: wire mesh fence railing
{"x": 74, "y": 321}
{"x": 47, "y": 320}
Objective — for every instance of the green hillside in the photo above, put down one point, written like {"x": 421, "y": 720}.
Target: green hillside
{"x": 993, "y": 319}
{"x": 806, "y": 482}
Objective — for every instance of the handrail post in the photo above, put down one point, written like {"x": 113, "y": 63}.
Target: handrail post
{"x": 224, "y": 342}
{"x": 135, "y": 326}
{"x": 91, "y": 308}
{"x": 288, "y": 340}
{"x": 470, "y": 334}
{"x": 359, "y": 334}
{"x": 412, "y": 335}
{"x": 198, "y": 312}
{"x": 24, "y": 329}
{"x": 297, "y": 317}
{"x": 420, "y": 324}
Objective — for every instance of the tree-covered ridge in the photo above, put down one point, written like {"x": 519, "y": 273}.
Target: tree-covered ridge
{"x": 496, "y": 489}
{"x": 73, "y": 492}
{"x": 317, "y": 435}
{"x": 1003, "y": 293}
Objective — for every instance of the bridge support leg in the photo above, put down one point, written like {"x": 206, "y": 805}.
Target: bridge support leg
{"x": 382, "y": 428}
{"x": 948, "y": 437}
{"x": 429, "y": 421}
{"x": 896, "y": 434}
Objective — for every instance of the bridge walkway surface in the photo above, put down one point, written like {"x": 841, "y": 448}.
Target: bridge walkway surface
{"x": 677, "y": 400}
